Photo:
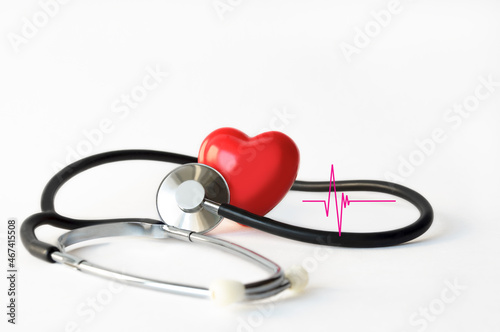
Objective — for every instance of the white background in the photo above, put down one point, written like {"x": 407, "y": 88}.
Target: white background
{"x": 239, "y": 65}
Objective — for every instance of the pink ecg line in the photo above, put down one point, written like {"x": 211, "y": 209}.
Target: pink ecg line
{"x": 344, "y": 201}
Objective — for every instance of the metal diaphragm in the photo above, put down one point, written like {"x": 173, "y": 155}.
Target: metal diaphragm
{"x": 181, "y": 194}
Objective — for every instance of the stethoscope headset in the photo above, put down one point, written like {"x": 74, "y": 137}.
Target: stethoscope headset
{"x": 192, "y": 200}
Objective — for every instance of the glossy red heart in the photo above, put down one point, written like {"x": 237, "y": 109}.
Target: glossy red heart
{"x": 259, "y": 170}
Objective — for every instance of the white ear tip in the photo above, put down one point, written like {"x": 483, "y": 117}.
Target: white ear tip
{"x": 224, "y": 292}
{"x": 298, "y": 278}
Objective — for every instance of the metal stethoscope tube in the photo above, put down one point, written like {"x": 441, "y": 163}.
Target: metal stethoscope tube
{"x": 272, "y": 285}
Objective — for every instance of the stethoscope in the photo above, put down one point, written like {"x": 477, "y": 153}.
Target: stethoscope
{"x": 192, "y": 200}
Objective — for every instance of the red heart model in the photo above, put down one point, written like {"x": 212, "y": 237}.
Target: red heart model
{"x": 259, "y": 170}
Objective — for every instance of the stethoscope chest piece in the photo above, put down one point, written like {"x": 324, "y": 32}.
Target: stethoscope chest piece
{"x": 182, "y": 195}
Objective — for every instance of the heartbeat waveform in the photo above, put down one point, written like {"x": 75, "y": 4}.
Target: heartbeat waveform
{"x": 344, "y": 201}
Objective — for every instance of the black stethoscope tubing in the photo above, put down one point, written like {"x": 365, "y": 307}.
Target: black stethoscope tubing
{"x": 49, "y": 216}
